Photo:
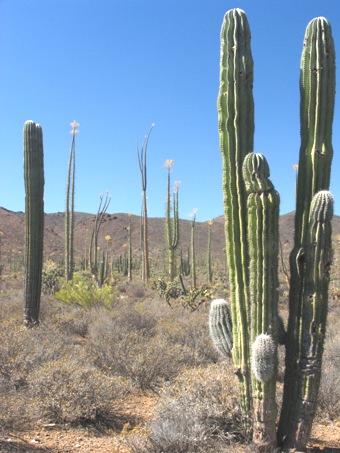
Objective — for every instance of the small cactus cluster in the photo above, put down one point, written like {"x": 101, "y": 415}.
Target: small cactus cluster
{"x": 251, "y": 207}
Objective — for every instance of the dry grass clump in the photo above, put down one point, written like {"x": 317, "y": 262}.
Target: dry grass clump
{"x": 198, "y": 412}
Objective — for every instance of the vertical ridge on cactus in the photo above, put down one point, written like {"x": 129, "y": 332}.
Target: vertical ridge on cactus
{"x": 34, "y": 220}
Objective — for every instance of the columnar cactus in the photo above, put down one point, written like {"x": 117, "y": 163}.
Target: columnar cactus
{"x": 317, "y": 90}
{"x": 171, "y": 223}
{"x": 34, "y": 220}
{"x": 209, "y": 268}
{"x": 251, "y": 226}
{"x": 220, "y": 327}
{"x": 236, "y": 130}
{"x": 263, "y": 246}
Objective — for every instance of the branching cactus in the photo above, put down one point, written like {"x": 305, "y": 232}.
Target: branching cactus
{"x": 34, "y": 220}
{"x": 251, "y": 207}
{"x": 317, "y": 90}
{"x": 171, "y": 223}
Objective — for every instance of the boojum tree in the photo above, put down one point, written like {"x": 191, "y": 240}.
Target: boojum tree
{"x": 248, "y": 327}
{"x": 142, "y": 162}
{"x": 69, "y": 208}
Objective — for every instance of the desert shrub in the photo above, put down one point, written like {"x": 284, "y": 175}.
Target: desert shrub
{"x": 69, "y": 390}
{"x": 22, "y": 351}
{"x": 329, "y": 393}
{"x": 51, "y": 275}
{"x": 197, "y": 413}
{"x": 84, "y": 291}
{"x": 133, "y": 351}
{"x": 190, "y": 330}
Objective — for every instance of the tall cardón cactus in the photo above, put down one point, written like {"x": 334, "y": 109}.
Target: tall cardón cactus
{"x": 34, "y": 220}
{"x": 236, "y": 130}
{"x": 251, "y": 226}
{"x": 317, "y": 91}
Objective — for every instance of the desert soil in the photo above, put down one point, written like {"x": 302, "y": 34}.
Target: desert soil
{"x": 133, "y": 413}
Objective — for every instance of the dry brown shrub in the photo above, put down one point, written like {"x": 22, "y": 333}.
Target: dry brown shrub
{"x": 69, "y": 390}
{"x": 198, "y": 412}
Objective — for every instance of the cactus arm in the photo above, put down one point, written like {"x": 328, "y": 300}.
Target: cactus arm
{"x": 314, "y": 317}
{"x": 34, "y": 220}
{"x": 263, "y": 239}
{"x": 236, "y": 131}
{"x": 317, "y": 89}
{"x": 220, "y": 327}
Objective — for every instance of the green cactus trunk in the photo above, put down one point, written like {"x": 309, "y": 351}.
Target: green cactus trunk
{"x": 171, "y": 227}
{"x": 251, "y": 225}
{"x": 263, "y": 237}
{"x": 209, "y": 268}
{"x": 193, "y": 273}
{"x": 317, "y": 88}
{"x": 314, "y": 316}
{"x": 34, "y": 220}
{"x": 236, "y": 130}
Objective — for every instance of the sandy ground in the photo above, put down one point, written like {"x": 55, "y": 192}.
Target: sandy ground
{"x": 133, "y": 413}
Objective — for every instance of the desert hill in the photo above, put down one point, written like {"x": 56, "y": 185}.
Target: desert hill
{"x": 12, "y": 227}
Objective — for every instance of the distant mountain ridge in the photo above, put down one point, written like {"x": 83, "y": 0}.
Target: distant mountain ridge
{"x": 12, "y": 227}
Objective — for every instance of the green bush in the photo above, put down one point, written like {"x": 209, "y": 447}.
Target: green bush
{"x": 51, "y": 275}
{"x": 84, "y": 291}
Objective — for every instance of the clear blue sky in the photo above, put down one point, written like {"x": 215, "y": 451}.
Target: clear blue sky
{"x": 117, "y": 67}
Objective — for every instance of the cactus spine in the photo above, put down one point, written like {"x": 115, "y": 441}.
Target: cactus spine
{"x": 34, "y": 220}
{"x": 317, "y": 91}
{"x": 171, "y": 224}
{"x": 236, "y": 130}
{"x": 251, "y": 226}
